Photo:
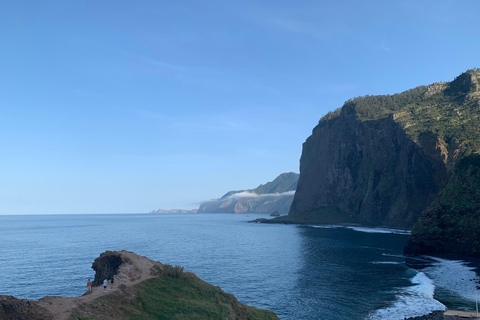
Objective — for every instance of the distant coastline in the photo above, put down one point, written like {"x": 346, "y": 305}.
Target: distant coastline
{"x": 174, "y": 211}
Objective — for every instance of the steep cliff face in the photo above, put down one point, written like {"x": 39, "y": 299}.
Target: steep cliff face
{"x": 381, "y": 160}
{"x": 374, "y": 172}
{"x": 266, "y": 198}
{"x": 451, "y": 224}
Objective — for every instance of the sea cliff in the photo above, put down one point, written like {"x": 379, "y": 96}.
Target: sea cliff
{"x": 451, "y": 224}
{"x": 382, "y": 160}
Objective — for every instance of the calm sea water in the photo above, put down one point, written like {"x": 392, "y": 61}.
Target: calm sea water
{"x": 299, "y": 272}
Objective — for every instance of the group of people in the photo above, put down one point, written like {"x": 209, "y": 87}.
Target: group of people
{"x": 105, "y": 285}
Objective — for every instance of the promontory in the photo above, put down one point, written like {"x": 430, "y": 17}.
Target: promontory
{"x": 143, "y": 289}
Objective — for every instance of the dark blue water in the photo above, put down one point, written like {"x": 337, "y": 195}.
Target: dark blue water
{"x": 297, "y": 271}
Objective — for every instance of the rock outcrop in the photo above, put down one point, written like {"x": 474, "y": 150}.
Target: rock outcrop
{"x": 12, "y": 308}
{"x": 275, "y": 214}
{"x": 144, "y": 289}
{"x": 381, "y": 160}
{"x": 276, "y": 195}
{"x": 106, "y": 266}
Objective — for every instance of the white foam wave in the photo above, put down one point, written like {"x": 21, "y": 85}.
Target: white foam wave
{"x": 380, "y": 230}
{"x": 386, "y": 262}
{"x": 363, "y": 229}
{"x": 326, "y": 226}
{"x": 453, "y": 276}
{"x": 249, "y": 194}
{"x": 413, "y": 301}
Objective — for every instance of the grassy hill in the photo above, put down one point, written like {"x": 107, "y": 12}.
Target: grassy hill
{"x": 170, "y": 294}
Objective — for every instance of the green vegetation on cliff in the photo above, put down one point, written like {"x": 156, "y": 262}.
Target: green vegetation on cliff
{"x": 381, "y": 160}
{"x": 443, "y": 116}
{"x": 451, "y": 224}
{"x": 283, "y": 183}
{"x": 171, "y": 294}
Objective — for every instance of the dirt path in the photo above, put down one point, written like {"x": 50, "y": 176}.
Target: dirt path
{"x": 135, "y": 270}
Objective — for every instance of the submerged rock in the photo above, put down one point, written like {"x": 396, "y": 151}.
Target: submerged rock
{"x": 275, "y": 214}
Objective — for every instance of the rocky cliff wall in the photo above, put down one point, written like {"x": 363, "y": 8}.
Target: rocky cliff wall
{"x": 369, "y": 169}
{"x": 381, "y": 160}
{"x": 451, "y": 224}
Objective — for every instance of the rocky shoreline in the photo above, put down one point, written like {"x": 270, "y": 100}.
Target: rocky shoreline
{"x": 435, "y": 315}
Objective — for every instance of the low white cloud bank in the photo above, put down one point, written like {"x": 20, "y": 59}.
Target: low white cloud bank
{"x": 247, "y": 194}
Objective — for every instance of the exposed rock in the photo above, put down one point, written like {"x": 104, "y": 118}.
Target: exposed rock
{"x": 435, "y": 315}
{"x": 381, "y": 160}
{"x": 375, "y": 173}
{"x": 106, "y": 266}
{"x": 12, "y": 308}
{"x": 275, "y": 214}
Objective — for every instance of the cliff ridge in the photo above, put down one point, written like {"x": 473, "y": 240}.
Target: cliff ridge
{"x": 381, "y": 160}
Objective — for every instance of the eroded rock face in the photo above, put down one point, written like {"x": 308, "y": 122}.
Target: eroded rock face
{"x": 372, "y": 171}
{"x": 106, "y": 266}
{"x": 381, "y": 160}
{"x": 451, "y": 224}
{"x": 12, "y": 308}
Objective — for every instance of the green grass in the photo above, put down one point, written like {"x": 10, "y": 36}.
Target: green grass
{"x": 188, "y": 297}
{"x": 172, "y": 294}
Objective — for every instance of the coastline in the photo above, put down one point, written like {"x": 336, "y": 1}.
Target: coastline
{"x": 435, "y": 315}
{"x": 308, "y": 233}
{"x": 353, "y": 226}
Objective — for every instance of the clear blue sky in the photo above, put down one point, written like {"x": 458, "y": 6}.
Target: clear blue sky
{"x": 130, "y": 106}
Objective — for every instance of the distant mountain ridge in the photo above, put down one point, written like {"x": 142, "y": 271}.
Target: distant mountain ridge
{"x": 266, "y": 198}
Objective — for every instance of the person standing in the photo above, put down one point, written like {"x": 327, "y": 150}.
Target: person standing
{"x": 105, "y": 283}
{"x": 111, "y": 282}
{"x": 89, "y": 286}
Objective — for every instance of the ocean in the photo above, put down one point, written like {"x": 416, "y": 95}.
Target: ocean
{"x": 300, "y": 272}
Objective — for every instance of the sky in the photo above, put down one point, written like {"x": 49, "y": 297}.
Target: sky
{"x": 131, "y": 106}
